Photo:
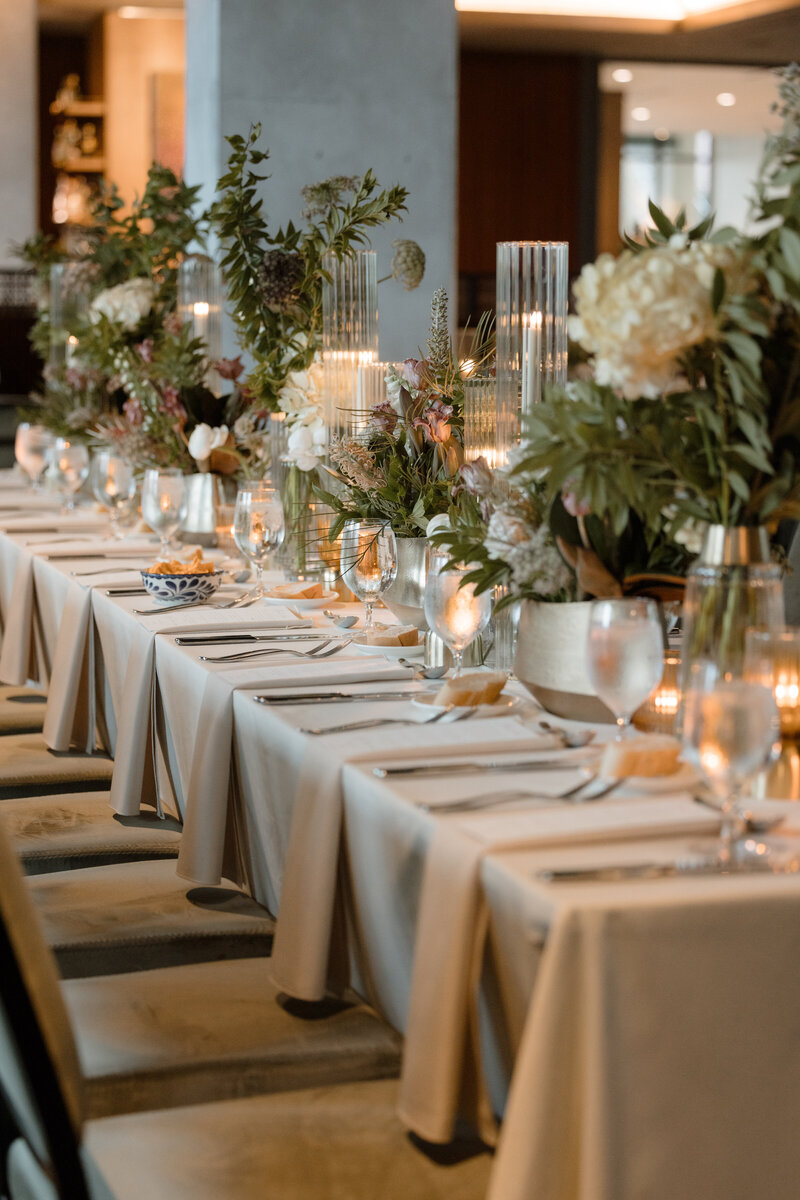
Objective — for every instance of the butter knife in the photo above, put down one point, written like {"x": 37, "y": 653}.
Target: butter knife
{"x": 645, "y": 870}
{"x": 223, "y": 639}
{"x": 329, "y": 697}
{"x": 470, "y": 768}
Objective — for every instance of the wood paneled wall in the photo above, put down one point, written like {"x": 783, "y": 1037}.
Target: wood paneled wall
{"x": 527, "y": 160}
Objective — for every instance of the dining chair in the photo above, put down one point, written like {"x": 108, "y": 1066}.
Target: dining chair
{"x": 22, "y": 710}
{"x": 28, "y": 767}
{"x": 79, "y": 829}
{"x": 190, "y": 1034}
{"x": 315, "y": 1143}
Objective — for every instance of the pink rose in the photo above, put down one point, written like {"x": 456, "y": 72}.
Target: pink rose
{"x": 173, "y": 323}
{"x": 383, "y": 417}
{"x": 412, "y": 371}
{"x": 476, "y": 477}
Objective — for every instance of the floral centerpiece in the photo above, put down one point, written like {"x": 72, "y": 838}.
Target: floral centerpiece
{"x": 402, "y": 467}
{"x": 135, "y": 377}
{"x": 688, "y": 413}
{"x": 275, "y": 280}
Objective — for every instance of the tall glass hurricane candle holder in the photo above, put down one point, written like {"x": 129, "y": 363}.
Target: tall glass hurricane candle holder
{"x": 69, "y": 305}
{"x": 531, "y": 330}
{"x": 482, "y": 424}
{"x": 370, "y": 390}
{"x": 200, "y": 305}
{"x": 349, "y": 333}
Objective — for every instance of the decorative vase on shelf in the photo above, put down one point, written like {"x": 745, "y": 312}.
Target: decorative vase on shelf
{"x": 406, "y": 596}
{"x": 550, "y": 659}
{"x": 732, "y": 585}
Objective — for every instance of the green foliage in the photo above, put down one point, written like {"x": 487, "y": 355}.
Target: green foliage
{"x": 287, "y": 339}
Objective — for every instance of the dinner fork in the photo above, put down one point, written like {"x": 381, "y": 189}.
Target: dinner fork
{"x": 164, "y": 608}
{"x": 574, "y": 795}
{"x": 376, "y": 721}
{"x": 323, "y": 649}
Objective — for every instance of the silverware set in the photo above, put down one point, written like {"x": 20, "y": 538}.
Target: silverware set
{"x": 323, "y": 649}
{"x": 236, "y": 602}
{"x": 373, "y": 723}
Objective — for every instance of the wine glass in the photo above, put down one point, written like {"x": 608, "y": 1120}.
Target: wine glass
{"x": 258, "y": 527}
{"x": 625, "y": 653}
{"x": 368, "y": 561}
{"x": 731, "y": 732}
{"x": 114, "y": 485}
{"x": 452, "y": 608}
{"x": 31, "y": 444}
{"x": 67, "y": 468}
{"x": 164, "y": 503}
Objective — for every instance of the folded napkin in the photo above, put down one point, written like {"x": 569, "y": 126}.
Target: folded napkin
{"x": 302, "y": 951}
{"x": 203, "y": 856}
{"x": 110, "y": 551}
{"x": 55, "y": 523}
{"x": 134, "y": 751}
{"x": 440, "y": 1079}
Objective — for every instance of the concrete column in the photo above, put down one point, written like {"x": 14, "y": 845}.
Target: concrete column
{"x": 19, "y": 152}
{"x": 338, "y": 88}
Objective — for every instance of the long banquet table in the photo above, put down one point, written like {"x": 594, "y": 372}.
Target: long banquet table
{"x": 651, "y": 1026}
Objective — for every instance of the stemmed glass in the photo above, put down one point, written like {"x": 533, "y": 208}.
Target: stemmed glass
{"x": 368, "y": 562}
{"x": 625, "y": 654}
{"x": 731, "y": 732}
{"x": 452, "y": 608}
{"x": 114, "y": 485}
{"x": 164, "y": 503}
{"x": 67, "y": 468}
{"x": 258, "y": 527}
{"x": 31, "y": 444}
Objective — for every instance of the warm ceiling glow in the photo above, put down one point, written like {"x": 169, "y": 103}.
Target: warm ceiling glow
{"x": 726, "y": 99}
{"x": 635, "y": 10}
{"x": 134, "y": 12}
{"x": 640, "y": 114}
{"x": 622, "y": 75}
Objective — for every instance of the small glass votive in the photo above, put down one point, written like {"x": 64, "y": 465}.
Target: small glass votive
{"x": 659, "y": 712}
{"x": 772, "y": 658}
{"x": 223, "y": 520}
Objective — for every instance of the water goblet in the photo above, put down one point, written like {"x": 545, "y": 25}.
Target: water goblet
{"x": 625, "y": 654}
{"x": 113, "y": 483}
{"x": 67, "y": 468}
{"x": 164, "y": 503}
{"x": 258, "y": 527}
{"x": 368, "y": 562}
{"x": 31, "y": 443}
{"x": 453, "y": 610}
{"x": 731, "y": 733}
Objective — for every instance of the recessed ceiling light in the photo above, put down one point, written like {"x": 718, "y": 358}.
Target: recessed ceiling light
{"x": 640, "y": 114}
{"x": 726, "y": 99}
{"x": 622, "y": 75}
{"x": 661, "y": 134}
{"x": 134, "y": 12}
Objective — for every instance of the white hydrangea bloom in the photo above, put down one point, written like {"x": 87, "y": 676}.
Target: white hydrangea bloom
{"x": 301, "y": 400}
{"x": 637, "y": 312}
{"x": 126, "y": 304}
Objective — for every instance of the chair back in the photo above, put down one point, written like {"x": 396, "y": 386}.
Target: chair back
{"x": 40, "y": 1075}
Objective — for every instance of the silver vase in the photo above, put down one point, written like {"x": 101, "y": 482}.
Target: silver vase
{"x": 406, "y": 596}
{"x": 204, "y": 492}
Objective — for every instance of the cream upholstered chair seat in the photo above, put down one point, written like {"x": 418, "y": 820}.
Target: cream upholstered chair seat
{"x": 22, "y": 709}
{"x": 28, "y": 767}
{"x": 214, "y": 1031}
{"x": 56, "y": 833}
{"x": 139, "y": 915}
{"x": 332, "y": 1143}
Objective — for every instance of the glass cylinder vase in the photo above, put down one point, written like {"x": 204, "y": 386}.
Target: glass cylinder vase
{"x": 349, "y": 333}
{"x": 482, "y": 423}
{"x": 200, "y": 301}
{"x": 531, "y": 329}
{"x": 733, "y": 585}
{"x": 69, "y": 306}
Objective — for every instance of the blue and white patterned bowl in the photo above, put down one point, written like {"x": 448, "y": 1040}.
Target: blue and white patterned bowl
{"x": 169, "y": 589}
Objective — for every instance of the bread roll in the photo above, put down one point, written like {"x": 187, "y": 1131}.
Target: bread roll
{"x": 391, "y": 635}
{"x": 648, "y": 755}
{"x": 476, "y": 687}
{"x": 297, "y": 591}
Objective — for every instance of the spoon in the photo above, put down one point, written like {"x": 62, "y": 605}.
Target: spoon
{"x": 752, "y": 823}
{"x": 342, "y": 622}
{"x": 423, "y": 672}
{"x": 571, "y": 740}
